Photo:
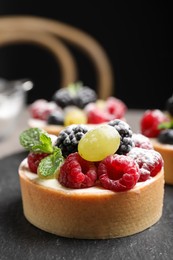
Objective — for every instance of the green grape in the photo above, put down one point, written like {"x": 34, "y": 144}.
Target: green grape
{"x": 75, "y": 116}
{"x": 98, "y": 143}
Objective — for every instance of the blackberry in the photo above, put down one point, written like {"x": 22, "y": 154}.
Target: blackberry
{"x": 69, "y": 138}
{"x": 55, "y": 118}
{"x": 166, "y": 136}
{"x": 169, "y": 105}
{"x": 85, "y": 95}
{"x": 74, "y": 95}
{"x": 63, "y": 98}
{"x": 126, "y": 140}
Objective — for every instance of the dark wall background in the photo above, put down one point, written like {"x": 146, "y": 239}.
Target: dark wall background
{"x": 137, "y": 37}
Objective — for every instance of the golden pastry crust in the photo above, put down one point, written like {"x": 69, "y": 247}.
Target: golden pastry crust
{"x": 92, "y": 213}
{"x": 50, "y": 129}
{"x": 166, "y": 150}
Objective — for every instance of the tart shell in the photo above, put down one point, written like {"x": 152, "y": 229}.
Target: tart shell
{"x": 50, "y": 129}
{"x": 166, "y": 151}
{"x": 91, "y": 213}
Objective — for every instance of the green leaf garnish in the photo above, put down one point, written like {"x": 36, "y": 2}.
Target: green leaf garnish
{"x": 166, "y": 125}
{"x": 48, "y": 167}
{"x": 73, "y": 88}
{"x": 36, "y": 140}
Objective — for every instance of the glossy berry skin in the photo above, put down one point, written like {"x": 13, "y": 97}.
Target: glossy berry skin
{"x": 118, "y": 173}
{"x": 150, "y": 122}
{"x": 34, "y": 160}
{"x": 77, "y": 173}
{"x": 98, "y": 143}
{"x": 150, "y": 162}
{"x": 166, "y": 136}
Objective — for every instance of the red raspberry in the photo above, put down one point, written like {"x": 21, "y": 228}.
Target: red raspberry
{"x": 97, "y": 116}
{"x": 150, "y": 162}
{"x": 112, "y": 108}
{"x": 34, "y": 160}
{"x": 142, "y": 141}
{"x": 41, "y": 109}
{"x": 77, "y": 172}
{"x": 116, "y": 107}
{"x": 150, "y": 122}
{"x": 118, "y": 173}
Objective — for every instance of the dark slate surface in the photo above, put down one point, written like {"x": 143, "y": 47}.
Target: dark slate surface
{"x": 21, "y": 240}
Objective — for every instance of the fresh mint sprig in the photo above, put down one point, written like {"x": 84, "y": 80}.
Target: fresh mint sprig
{"x": 166, "y": 125}
{"x": 36, "y": 140}
{"x": 48, "y": 167}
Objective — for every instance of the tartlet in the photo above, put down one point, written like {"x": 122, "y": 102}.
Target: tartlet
{"x": 166, "y": 150}
{"x": 92, "y": 213}
{"x": 118, "y": 195}
{"x": 158, "y": 126}
{"x": 74, "y": 104}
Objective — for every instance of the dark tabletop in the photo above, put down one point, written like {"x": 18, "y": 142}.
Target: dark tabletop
{"x": 21, "y": 240}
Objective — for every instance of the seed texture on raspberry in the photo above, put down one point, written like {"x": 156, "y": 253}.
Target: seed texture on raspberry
{"x": 34, "y": 160}
{"x": 150, "y": 162}
{"x": 126, "y": 141}
{"x": 77, "y": 173}
{"x": 118, "y": 173}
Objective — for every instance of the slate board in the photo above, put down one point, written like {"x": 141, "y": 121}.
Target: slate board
{"x": 21, "y": 240}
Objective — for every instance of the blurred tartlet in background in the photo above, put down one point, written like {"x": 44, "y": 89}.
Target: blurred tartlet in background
{"x": 74, "y": 104}
{"x": 158, "y": 126}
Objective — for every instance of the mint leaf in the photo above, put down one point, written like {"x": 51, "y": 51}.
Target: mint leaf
{"x": 36, "y": 140}
{"x": 48, "y": 167}
{"x": 166, "y": 125}
{"x": 73, "y": 88}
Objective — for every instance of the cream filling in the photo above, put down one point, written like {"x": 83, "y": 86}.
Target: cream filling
{"x": 54, "y": 183}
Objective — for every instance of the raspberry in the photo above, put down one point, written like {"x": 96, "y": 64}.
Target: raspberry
{"x": 142, "y": 141}
{"x": 77, "y": 173}
{"x": 110, "y": 109}
{"x": 150, "y": 162}
{"x": 126, "y": 141}
{"x": 97, "y": 116}
{"x": 150, "y": 122}
{"x": 118, "y": 173}
{"x": 34, "y": 160}
{"x": 41, "y": 109}
{"x": 116, "y": 107}
{"x": 69, "y": 138}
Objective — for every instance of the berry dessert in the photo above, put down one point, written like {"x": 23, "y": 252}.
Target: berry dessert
{"x": 91, "y": 183}
{"x": 158, "y": 126}
{"x": 74, "y": 104}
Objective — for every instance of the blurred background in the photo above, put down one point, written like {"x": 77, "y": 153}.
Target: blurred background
{"x": 136, "y": 35}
